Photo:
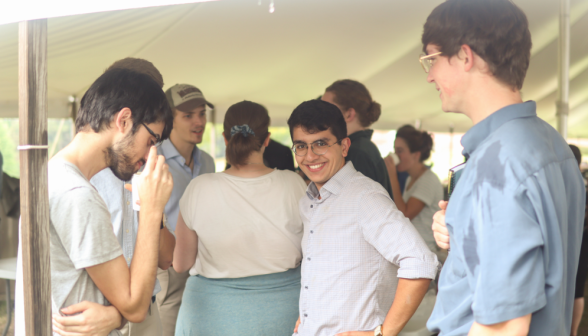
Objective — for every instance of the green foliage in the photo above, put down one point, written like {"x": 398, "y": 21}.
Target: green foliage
{"x": 8, "y": 143}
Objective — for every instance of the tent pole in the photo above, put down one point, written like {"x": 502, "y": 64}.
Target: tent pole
{"x": 34, "y": 197}
{"x": 563, "y": 67}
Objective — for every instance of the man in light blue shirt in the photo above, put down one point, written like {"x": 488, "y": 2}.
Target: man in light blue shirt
{"x": 514, "y": 220}
{"x": 186, "y": 161}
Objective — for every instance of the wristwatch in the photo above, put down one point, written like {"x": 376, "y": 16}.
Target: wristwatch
{"x": 378, "y": 331}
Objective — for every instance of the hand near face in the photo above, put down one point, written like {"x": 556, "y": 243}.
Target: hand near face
{"x": 157, "y": 184}
{"x": 440, "y": 231}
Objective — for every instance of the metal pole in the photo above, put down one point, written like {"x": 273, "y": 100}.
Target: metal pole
{"x": 563, "y": 66}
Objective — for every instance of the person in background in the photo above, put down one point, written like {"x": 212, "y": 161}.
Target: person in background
{"x": 186, "y": 161}
{"x": 360, "y": 111}
{"x": 239, "y": 233}
{"x": 423, "y": 190}
{"x": 125, "y": 222}
{"x": 514, "y": 220}
{"x": 122, "y": 116}
{"x": 582, "y": 264}
{"x": 366, "y": 269}
{"x": 276, "y": 156}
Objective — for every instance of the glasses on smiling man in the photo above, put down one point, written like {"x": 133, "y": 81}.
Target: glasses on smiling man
{"x": 427, "y": 61}
{"x": 156, "y": 136}
{"x": 319, "y": 147}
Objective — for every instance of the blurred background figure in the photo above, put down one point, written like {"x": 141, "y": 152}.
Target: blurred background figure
{"x": 582, "y": 264}
{"x": 423, "y": 190}
{"x": 360, "y": 111}
{"x": 239, "y": 234}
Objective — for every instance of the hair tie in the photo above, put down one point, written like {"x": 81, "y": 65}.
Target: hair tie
{"x": 243, "y": 129}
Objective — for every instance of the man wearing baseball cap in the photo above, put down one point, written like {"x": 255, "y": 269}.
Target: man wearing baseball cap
{"x": 186, "y": 161}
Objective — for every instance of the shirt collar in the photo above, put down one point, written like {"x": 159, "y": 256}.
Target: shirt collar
{"x": 334, "y": 184}
{"x": 169, "y": 151}
{"x": 361, "y": 134}
{"x": 479, "y": 132}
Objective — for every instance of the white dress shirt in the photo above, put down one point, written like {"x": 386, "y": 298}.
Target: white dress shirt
{"x": 355, "y": 245}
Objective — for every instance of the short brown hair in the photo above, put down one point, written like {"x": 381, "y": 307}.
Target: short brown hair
{"x": 496, "y": 30}
{"x": 139, "y": 65}
{"x": 352, "y": 94}
{"x": 239, "y": 145}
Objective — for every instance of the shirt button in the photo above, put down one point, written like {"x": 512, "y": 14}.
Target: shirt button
{"x": 311, "y": 231}
{"x": 127, "y": 231}
{"x": 305, "y": 287}
{"x": 311, "y": 206}
{"x": 305, "y": 315}
{"x": 308, "y": 258}
{"x": 128, "y": 202}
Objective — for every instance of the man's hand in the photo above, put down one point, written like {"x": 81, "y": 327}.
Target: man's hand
{"x": 440, "y": 231}
{"x": 157, "y": 184}
{"x": 91, "y": 319}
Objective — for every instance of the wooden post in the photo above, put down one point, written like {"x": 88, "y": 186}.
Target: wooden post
{"x": 34, "y": 197}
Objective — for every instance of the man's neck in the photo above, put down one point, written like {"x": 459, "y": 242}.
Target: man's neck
{"x": 87, "y": 152}
{"x": 485, "y": 101}
{"x": 184, "y": 148}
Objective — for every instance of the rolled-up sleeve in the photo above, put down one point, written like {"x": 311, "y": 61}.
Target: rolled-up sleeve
{"x": 395, "y": 238}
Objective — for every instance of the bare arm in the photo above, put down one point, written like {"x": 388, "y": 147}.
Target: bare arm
{"x": 409, "y": 209}
{"x": 515, "y": 327}
{"x": 131, "y": 289}
{"x": 167, "y": 243}
{"x": 186, "y": 246}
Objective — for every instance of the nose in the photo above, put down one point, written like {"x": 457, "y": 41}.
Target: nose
{"x": 310, "y": 155}
{"x": 430, "y": 77}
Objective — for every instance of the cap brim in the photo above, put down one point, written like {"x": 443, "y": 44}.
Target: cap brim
{"x": 189, "y": 105}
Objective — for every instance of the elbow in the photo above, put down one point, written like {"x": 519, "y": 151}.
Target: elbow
{"x": 136, "y": 316}
{"x": 179, "y": 269}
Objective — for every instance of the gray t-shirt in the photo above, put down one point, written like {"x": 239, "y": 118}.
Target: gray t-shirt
{"x": 80, "y": 236}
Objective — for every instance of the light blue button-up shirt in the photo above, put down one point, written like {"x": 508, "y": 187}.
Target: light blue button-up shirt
{"x": 182, "y": 175}
{"x": 515, "y": 224}
{"x": 124, "y": 219}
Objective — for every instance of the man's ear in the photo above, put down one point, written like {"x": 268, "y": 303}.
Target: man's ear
{"x": 345, "y": 143}
{"x": 123, "y": 120}
{"x": 467, "y": 57}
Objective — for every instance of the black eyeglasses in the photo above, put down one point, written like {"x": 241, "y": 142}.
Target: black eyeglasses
{"x": 157, "y": 137}
{"x": 318, "y": 147}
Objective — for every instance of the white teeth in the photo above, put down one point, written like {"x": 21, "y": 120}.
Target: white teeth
{"x": 316, "y": 166}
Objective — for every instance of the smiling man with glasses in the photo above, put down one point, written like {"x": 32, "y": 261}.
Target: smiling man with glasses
{"x": 514, "y": 221}
{"x": 365, "y": 268}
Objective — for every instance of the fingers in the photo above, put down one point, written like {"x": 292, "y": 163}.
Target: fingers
{"x": 440, "y": 231}
{"x": 75, "y": 308}
{"x": 129, "y": 187}
{"x": 443, "y": 205}
{"x": 151, "y": 160}
{"x": 297, "y": 324}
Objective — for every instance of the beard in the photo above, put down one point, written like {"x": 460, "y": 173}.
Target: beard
{"x": 119, "y": 160}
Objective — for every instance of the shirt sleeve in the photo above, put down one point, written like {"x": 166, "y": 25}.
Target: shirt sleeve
{"x": 84, "y": 227}
{"x": 510, "y": 281}
{"x": 395, "y": 238}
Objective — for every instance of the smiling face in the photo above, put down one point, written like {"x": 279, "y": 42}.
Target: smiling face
{"x": 407, "y": 159}
{"x": 130, "y": 153}
{"x": 189, "y": 126}
{"x": 446, "y": 75}
{"x": 320, "y": 168}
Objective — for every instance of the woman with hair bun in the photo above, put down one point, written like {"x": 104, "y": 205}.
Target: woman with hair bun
{"x": 423, "y": 190}
{"x": 360, "y": 112}
{"x": 239, "y": 234}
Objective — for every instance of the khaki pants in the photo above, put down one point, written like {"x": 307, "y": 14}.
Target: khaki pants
{"x": 170, "y": 298}
{"x": 151, "y": 326}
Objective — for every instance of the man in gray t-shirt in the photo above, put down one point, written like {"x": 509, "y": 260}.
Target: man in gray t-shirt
{"x": 122, "y": 116}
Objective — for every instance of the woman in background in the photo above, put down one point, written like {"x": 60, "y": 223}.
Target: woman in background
{"x": 423, "y": 190}
{"x": 360, "y": 112}
{"x": 239, "y": 234}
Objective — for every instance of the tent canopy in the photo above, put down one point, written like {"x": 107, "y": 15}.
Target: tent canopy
{"x": 237, "y": 49}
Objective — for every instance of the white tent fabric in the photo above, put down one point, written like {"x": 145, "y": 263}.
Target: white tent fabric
{"x": 236, "y": 49}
